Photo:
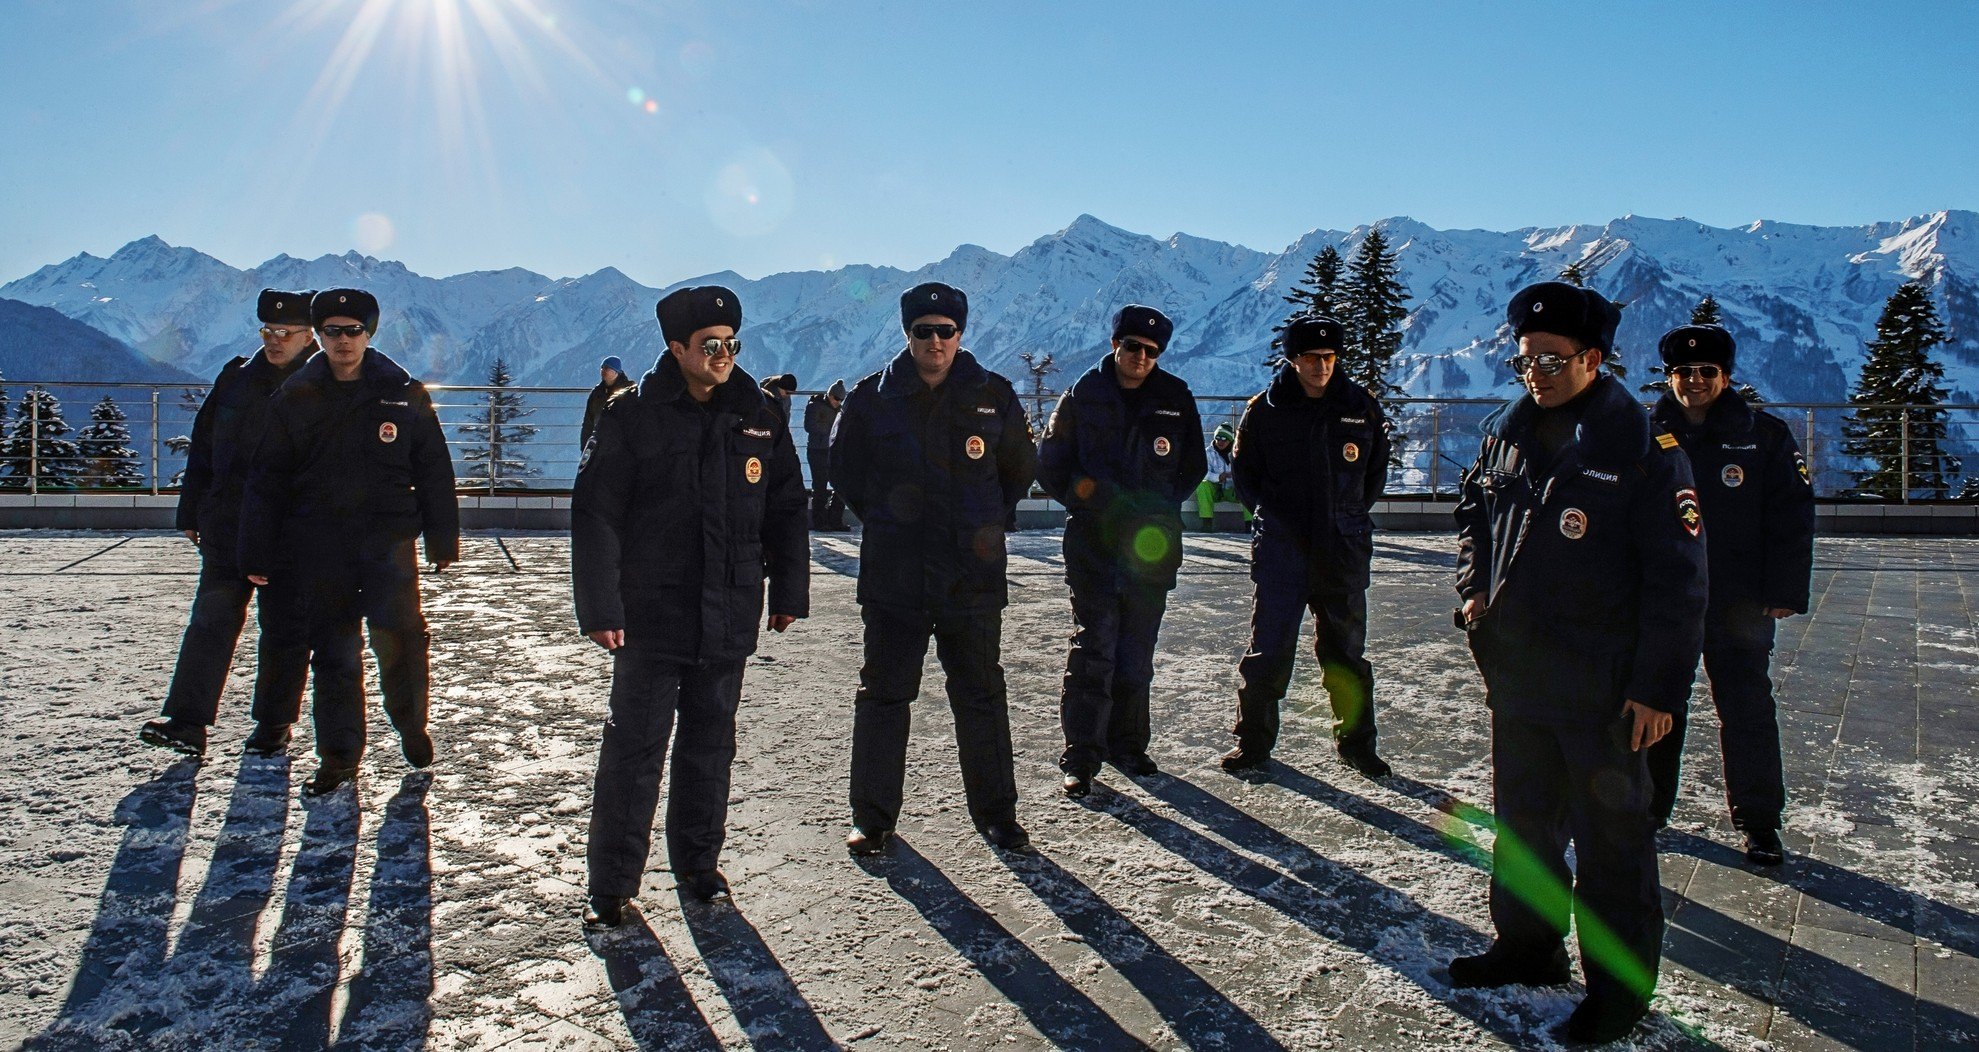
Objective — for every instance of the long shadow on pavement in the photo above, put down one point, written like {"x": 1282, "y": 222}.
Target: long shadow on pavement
{"x": 127, "y": 941}
{"x": 769, "y": 1007}
{"x": 390, "y": 998}
{"x": 660, "y": 1013}
{"x": 296, "y": 994}
{"x": 1846, "y": 1005}
{"x": 1334, "y": 901}
{"x": 1060, "y": 1011}
{"x": 1200, "y": 1015}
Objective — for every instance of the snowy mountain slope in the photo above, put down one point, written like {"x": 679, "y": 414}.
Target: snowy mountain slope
{"x": 1802, "y": 301}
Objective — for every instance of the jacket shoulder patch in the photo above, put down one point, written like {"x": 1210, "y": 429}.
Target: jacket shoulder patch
{"x": 1688, "y": 514}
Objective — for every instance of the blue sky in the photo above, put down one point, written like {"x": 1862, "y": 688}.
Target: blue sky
{"x": 479, "y": 134}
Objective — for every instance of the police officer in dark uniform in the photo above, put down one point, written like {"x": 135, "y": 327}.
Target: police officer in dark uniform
{"x": 224, "y": 436}
{"x": 611, "y": 380}
{"x": 1754, "y": 489}
{"x": 820, "y": 413}
{"x": 688, "y": 497}
{"x": 1122, "y": 451}
{"x": 1310, "y": 461}
{"x": 1582, "y": 573}
{"x": 352, "y": 468}
{"x": 932, "y": 453}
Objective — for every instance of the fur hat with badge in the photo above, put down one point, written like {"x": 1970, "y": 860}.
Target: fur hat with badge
{"x": 277, "y": 307}
{"x": 1317, "y": 332}
{"x": 933, "y": 297}
{"x": 684, "y": 312}
{"x": 345, "y": 303}
{"x": 1145, "y": 322}
{"x": 1698, "y": 345}
{"x": 1565, "y": 310}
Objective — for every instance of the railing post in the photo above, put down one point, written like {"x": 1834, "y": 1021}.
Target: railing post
{"x": 1905, "y": 455}
{"x": 34, "y": 445}
{"x": 1808, "y": 445}
{"x": 154, "y": 441}
{"x": 494, "y": 445}
{"x": 1435, "y": 448}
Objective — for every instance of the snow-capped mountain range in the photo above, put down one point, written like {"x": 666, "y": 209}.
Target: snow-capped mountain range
{"x": 1802, "y": 301}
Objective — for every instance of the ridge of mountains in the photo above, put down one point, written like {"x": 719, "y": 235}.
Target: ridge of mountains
{"x": 1801, "y": 300}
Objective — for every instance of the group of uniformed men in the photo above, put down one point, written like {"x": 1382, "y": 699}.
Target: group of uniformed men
{"x": 1587, "y": 589}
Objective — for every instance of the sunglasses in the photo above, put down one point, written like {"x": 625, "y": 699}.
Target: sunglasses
{"x": 1693, "y": 372}
{"x": 280, "y": 334}
{"x": 715, "y": 348}
{"x": 1137, "y": 347}
{"x": 1543, "y": 364}
{"x": 935, "y": 332}
{"x": 1322, "y": 357}
{"x": 333, "y": 331}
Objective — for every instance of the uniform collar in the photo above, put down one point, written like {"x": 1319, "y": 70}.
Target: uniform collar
{"x": 665, "y": 383}
{"x": 1613, "y": 430}
{"x": 900, "y": 379}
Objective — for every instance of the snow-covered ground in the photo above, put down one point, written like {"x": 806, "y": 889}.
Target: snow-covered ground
{"x": 147, "y": 903}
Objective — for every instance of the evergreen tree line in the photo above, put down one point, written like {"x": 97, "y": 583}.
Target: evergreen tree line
{"x": 40, "y": 450}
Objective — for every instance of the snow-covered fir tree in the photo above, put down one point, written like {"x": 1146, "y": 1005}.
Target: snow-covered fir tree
{"x": 496, "y": 457}
{"x": 1900, "y": 381}
{"x": 1706, "y": 312}
{"x": 35, "y": 451}
{"x": 1315, "y": 292}
{"x": 105, "y": 447}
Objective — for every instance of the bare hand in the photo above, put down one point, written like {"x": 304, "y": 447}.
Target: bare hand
{"x": 1650, "y": 725}
{"x": 1778, "y": 612}
{"x": 610, "y": 638}
{"x": 191, "y": 535}
{"x": 779, "y": 622}
{"x": 257, "y": 580}
{"x": 1473, "y": 608}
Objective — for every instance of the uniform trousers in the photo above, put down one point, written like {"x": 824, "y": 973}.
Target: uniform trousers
{"x": 1277, "y": 609}
{"x": 1108, "y": 676}
{"x": 827, "y": 513}
{"x": 1554, "y": 783}
{"x": 1738, "y": 651}
{"x": 648, "y": 692}
{"x": 374, "y": 581}
{"x": 219, "y": 612}
{"x": 969, "y": 646}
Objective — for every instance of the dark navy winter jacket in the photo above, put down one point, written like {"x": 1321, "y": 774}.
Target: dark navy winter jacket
{"x": 818, "y": 418}
{"x": 1755, "y": 492}
{"x": 680, "y": 511}
{"x": 332, "y": 470}
{"x": 225, "y": 434}
{"x": 1593, "y": 572}
{"x": 934, "y": 475}
{"x": 1311, "y": 469}
{"x": 1122, "y": 478}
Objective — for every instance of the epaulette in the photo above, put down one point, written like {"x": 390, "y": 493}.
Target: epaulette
{"x": 1667, "y": 440}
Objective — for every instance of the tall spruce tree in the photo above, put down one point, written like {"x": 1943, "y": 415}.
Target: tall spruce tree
{"x": 1706, "y": 312}
{"x": 1316, "y": 293}
{"x": 497, "y": 456}
{"x": 1900, "y": 380}
{"x": 1372, "y": 299}
{"x": 35, "y": 451}
{"x": 105, "y": 447}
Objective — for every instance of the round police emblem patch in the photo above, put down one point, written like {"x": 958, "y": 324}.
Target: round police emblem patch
{"x": 388, "y": 432}
{"x": 753, "y": 471}
{"x": 1350, "y": 451}
{"x": 975, "y": 447}
{"x": 1733, "y": 476}
{"x": 1161, "y": 446}
{"x": 1573, "y": 524}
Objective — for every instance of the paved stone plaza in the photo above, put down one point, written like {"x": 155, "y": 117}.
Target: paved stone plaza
{"x": 147, "y": 903}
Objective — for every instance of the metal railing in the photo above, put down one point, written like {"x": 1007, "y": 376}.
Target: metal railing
{"x": 1436, "y": 439}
